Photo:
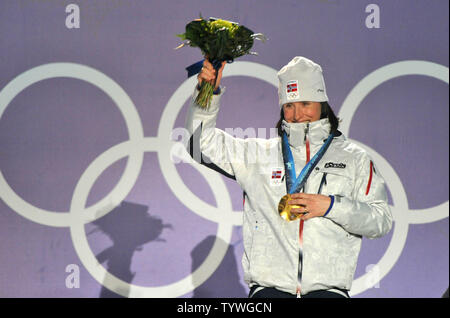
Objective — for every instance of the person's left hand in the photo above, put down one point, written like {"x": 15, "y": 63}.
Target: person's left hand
{"x": 314, "y": 204}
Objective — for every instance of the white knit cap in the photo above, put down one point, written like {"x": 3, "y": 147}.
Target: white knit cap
{"x": 301, "y": 80}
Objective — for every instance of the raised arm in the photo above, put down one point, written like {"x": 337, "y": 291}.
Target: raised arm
{"x": 209, "y": 145}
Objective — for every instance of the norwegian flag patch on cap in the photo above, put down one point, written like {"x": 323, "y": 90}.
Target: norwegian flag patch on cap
{"x": 292, "y": 90}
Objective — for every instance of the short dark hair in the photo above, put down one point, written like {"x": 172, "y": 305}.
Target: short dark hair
{"x": 326, "y": 112}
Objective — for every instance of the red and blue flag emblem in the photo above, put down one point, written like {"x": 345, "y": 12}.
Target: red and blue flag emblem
{"x": 276, "y": 174}
{"x": 291, "y": 87}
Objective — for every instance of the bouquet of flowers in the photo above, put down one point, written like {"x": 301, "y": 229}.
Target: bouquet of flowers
{"x": 219, "y": 40}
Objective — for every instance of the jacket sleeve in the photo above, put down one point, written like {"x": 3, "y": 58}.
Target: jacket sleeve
{"x": 367, "y": 213}
{"x": 211, "y": 146}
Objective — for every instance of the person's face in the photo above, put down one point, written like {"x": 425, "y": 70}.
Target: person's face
{"x": 299, "y": 112}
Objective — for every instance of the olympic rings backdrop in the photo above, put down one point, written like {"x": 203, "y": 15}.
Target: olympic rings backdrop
{"x": 98, "y": 196}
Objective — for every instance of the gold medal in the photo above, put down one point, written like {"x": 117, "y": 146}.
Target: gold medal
{"x": 284, "y": 209}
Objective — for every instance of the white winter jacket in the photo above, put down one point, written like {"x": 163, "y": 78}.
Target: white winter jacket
{"x": 331, "y": 244}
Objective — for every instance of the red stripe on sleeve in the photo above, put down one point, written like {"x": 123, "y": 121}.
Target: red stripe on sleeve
{"x": 370, "y": 178}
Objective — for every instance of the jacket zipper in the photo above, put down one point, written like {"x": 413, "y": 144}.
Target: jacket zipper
{"x": 306, "y": 140}
{"x": 322, "y": 182}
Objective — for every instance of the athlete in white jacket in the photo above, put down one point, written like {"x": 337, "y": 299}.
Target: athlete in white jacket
{"x": 343, "y": 199}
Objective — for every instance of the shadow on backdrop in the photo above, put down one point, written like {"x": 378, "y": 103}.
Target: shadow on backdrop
{"x": 225, "y": 281}
{"x": 129, "y": 227}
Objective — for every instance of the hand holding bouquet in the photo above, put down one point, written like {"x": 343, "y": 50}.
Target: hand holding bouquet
{"x": 220, "y": 41}
{"x": 209, "y": 74}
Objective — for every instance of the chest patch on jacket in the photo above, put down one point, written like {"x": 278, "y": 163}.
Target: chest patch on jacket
{"x": 335, "y": 165}
{"x": 276, "y": 176}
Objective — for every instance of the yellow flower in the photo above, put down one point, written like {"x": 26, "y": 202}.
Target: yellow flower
{"x": 219, "y": 24}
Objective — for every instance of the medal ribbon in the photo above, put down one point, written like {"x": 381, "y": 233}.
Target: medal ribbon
{"x": 295, "y": 184}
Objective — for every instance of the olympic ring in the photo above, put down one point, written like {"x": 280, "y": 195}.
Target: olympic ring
{"x": 134, "y": 148}
{"x": 348, "y": 109}
{"x": 177, "y": 186}
{"x": 222, "y": 214}
{"x": 91, "y": 263}
{"x": 126, "y": 107}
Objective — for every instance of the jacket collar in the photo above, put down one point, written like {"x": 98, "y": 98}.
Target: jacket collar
{"x": 317, "y": 132}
